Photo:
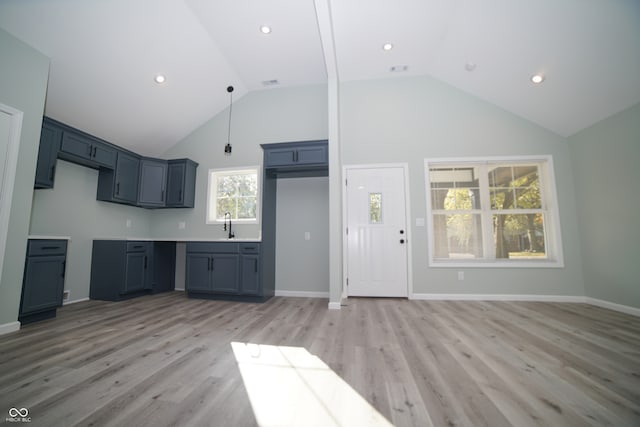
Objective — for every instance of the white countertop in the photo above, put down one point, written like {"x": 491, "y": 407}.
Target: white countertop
{"x": 35, "y": 236}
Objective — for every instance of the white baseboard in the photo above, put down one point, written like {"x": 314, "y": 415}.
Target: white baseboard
{"x": 496, "y": 297}
{"x": 75, "y": 301}
{"x": 540, "y": 298}
{"x": 7, "y": 328}
{"x": 334, "y": 305}
{"x": 179, "y": 289}
{"x": 613, "y": 306}
{"x": 302, "y": 294}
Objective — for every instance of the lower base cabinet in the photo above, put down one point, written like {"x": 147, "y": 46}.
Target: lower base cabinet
{"x": 122, "y": 269}
{"x": 225, "y": 270}
{"x": 43, "y": 282}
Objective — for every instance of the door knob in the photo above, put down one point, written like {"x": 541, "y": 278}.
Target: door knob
{"x": 401, "y": 231}
{"x": 401, "y": 240}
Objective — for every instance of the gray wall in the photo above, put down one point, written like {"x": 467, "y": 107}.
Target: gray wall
{"x": 23, "y": 86}
{"x": 71, "y": 209}
{"x": 302, "y": 206}
{"x": 413, "y": 118}
{"x": 605, "y": 164}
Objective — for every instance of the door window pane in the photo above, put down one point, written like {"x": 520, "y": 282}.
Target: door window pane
{"x": 375, "y": 208}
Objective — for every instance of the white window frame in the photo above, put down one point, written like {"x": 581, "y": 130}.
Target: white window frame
{"x": 212, "y": 195}
{"x": 553, "y": 240}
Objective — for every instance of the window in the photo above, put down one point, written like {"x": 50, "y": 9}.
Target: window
{"x": 493, "y": 212}
{"x": 233, "y": 191}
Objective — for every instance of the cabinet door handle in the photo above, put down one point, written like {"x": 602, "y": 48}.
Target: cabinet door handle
{"x": 50, "y": 247}
{"x": 117, "y": 188}
{"x": 95, "y": 149}
{"x": 145, "y": 262}
{"x": 52, "y": 172}
{"x": 162, "y": 196}
{"x": 64, "y": 268}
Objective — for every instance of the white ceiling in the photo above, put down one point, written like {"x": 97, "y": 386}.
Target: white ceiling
{"x": 104, "y": 55}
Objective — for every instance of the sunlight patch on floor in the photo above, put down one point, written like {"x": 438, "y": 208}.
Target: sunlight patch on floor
{"x": 288, "y": 386}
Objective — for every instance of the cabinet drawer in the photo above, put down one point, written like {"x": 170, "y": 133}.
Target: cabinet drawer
{"x": 137, "y": 246}
{"x": 249, "y": 248}
{"x": 213, "y": 247}
{"x": 46, "y": 247}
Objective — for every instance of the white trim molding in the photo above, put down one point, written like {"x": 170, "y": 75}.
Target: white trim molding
{"x": 75, "y": 301}
{"x": 334, "y": 305}
{"x": 633, "y": 311}
{"x": 7, "y": 328}
{"x": 302, "y": 294}
{"x": 496, "y": 297}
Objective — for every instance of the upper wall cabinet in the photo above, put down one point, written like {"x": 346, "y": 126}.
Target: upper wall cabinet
{"x": 86, "y": 150}
{"x": 152, "y": 183}
{"x": 50, "y": 139}
{"x": 181, "y": 183}
{"x": 304, "y": 158}
{"x": 123, "y": 176}
{"x": 120, "y": 185}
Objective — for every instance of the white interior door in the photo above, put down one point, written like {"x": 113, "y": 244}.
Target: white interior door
{"x": 377, "y": 232}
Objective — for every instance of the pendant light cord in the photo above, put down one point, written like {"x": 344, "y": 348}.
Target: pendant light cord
{"x": 229, "y": 127}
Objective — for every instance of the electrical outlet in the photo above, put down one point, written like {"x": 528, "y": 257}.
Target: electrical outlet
{"x": 182, "y": 225}
{"x": 307, "y": 235}
{"x": 460, "y": 275}
{"x": 66, "y": 294}
{"x": 128, "y": 223}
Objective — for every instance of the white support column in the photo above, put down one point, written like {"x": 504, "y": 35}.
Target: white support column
{"x": 325, "y": 26}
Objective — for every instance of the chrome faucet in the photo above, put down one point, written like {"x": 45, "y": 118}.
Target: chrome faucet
{"x": 231, "y": 235}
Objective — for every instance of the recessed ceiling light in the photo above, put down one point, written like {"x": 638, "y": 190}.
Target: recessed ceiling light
{"x": 159, "y": 78}
{"x": 265, "y": 29}
{"x": 537, "y": 78}
{"x": 470, "y": 66}
{"x": 387, "y": 46}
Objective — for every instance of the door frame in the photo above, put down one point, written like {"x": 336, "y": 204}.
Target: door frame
{"x": 8, "y": 181}
{"x": 409, "y": 240}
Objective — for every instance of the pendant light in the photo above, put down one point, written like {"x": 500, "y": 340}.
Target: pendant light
{"x": 227, "y": 148}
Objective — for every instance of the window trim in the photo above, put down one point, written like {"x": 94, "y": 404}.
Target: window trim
{"x": 212, "y": 193}
{"x": 553, "y": 234}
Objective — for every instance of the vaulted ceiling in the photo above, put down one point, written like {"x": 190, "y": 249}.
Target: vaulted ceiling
{"x": 105, "y": 55}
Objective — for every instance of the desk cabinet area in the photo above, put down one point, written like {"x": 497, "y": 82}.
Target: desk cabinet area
{"x": 225, "y": 270}
{"x": 43, "y": 282}
{"x": 122, "y": 269}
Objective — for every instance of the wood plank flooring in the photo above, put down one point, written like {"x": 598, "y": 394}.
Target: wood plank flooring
{"x": 166, "y": 360}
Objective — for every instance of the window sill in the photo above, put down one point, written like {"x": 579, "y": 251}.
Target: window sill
{"x": 496, "y": 264}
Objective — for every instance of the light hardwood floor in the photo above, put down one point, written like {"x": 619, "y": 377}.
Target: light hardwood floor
{"x": 168, "y": 360}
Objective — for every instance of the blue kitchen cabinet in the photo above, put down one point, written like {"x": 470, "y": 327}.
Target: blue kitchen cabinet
{"x": 120, "y": 185}
{"x": 87, "y": 150}
{"x": 181, "y": 183}
{"x": 296, "y": 154}
{"x": 122, "y": 269}
{"x": 43, "y": 281}
{"x": 225, "y": 270}
{"x": 152, "y": 183}
{"x": 50, "y": 139}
